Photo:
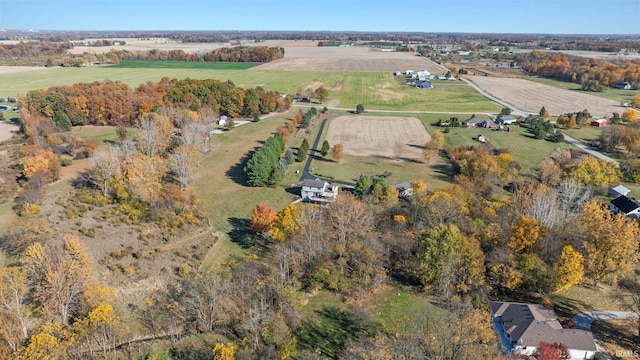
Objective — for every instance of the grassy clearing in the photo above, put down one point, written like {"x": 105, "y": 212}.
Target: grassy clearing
{"x": 584, "y": 134}
{"x": 397, "y": 307}
{"x": 220, "y": 183}
{"x": 101, "y": 133}
{"x": 528, "y": 151}
{"x": 620, "y": 95}
{"x": 185, "y": 65}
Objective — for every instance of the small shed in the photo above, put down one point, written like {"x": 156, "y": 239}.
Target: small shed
{"x": 617, "y": 191}
{"x": 404, "y": 189}
{"x": 481, "y": 138}
{"x": 601, "y": 122}
{"x": 223, "y": 120}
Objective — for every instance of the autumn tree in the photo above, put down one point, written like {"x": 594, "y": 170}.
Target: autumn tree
{"x": 155, "y": 134}
{"x": 285, "y": 224}
{"x": 630, "y": 115}
{"x": 569, "y": 269}
{"x": 525, "y": 234}
{"x": 555, "y": 351}
{"x": 610, "y": 242}
{"x": 594, "y": 171}
{"x": 430, "y": 151}
{"x": 15, "y": 313}
{"x": 106, "y": 165}
{"x": 338, "y": 152}
{"x": 321, "y": 93}
{"x": 544, "y": 113}
{"x": 262, "y": 218}
{"x": 635, "y": 101}
{"x": 449, "y": 262}
{"x": 184, "y": 160}
{"x": 59, "y": 273}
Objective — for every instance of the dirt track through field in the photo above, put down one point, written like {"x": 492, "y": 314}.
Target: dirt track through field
{"x": 390, "y": 137}
{"x": 531, "y": 97}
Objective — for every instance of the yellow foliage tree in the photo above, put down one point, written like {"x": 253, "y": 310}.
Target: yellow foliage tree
{"x": 635, "y": 101}
{"x": 569, "y": 269}
{"x": 338, "y": 152}
{"x": 593, "y": 171}
{"x": 525, "y": 234}
{"x": 286, "y": 223}
{"x": 610, "y": 241}
{"x": 224, "y": 351}
{"x": 630, "y": 115}
{"x": 42, "y": 347}
{"x": 505, "y": 276}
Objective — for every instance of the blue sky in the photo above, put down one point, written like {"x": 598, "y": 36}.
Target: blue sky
{"x": 475, "y": 16}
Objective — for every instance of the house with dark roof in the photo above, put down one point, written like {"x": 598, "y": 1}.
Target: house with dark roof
{"x": 318, "y": 190}
{"x": 404, "y": 189}
{"x": 623, "y": 85}
{"x": 473, "y": 122}
{"x": 423, "y": 84}
{"x": 522, "y": 327}
{"x": 625, "y": 205}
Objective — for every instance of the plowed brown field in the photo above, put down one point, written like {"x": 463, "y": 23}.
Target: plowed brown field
{"x": 529, "y": 96}
{"x": 333, "y": 58}
{"x": 390, "y": 137}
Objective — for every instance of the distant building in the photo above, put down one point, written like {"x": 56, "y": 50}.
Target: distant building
{"x": 404, "y": 189}
{"x": 601, "y": 122}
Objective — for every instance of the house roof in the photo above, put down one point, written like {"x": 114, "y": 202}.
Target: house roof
{"x": 625, "y": 204}
{"x": 529, "y": 324}
{"x": 402, "y": 186}
{"x": 316, "y": 183}
{"x": 620, "y": 189}
{"x": 474, "y": 120}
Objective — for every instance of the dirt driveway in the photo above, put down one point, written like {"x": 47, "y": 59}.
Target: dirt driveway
{"x": 7, "y": 130}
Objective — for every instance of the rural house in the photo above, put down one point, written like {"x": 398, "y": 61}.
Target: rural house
{"x": 473, "y": 122}
{"x": 423, "y": 84}
{"x": 521, "y": 328}
{"x": 318, "y": 190}
{"x": 623, "y": 85}
{"x": 625, "y": 205}
{"x": 506, "y": 120}
{"x": 616, "y": 191}
{"x": 223, "y": 120}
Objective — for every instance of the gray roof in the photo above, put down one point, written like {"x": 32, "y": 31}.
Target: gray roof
{"x": 402, "y": 186}
{"x": 529, "y": 324}
{"x": 620, "y": 189}
{"x": 316, "y": 183}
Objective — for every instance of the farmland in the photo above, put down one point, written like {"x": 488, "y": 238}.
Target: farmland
{"x": 531, "y": 96}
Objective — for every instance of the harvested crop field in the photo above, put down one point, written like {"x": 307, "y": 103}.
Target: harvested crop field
{"x": 353, "y": 58}
{"x": 389, "y": 137}
{"x": 529, "y": 96}
{"x": 17, "y": 69}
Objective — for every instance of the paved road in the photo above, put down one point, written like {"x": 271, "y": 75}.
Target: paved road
{"x": 584, "y": 320}
{"x": 306, "y": 174}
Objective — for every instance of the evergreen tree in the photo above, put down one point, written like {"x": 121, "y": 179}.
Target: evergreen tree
{"x": 359, "y": 109}
{"x": 325, "y": 148}
{"x": 289, "y": 156}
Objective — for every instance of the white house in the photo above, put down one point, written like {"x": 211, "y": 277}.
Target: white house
{"x": 223, "y": 120}
{"x": 408, "y": 72}
{"x": 506, "y": 120}
{"x": 404, "y": 189}
{"x": 522, "y": 327}
{"x": 318, "y": 190}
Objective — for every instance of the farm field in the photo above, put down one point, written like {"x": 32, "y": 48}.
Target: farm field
{"x": 184, "y": 65}
{"x": 353, "y": 58}
{"x": 373, "y": 89}
{"x": 377, "y": 136}
{"x": 619, "y": 95}
{"x": 531, "y": 96}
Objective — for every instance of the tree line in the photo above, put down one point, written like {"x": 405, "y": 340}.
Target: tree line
{"x": 592, "y": 73}
{"x": 260, "y": 54}
{"x": 33, "y": 49}
{"x": 115, "y": 103}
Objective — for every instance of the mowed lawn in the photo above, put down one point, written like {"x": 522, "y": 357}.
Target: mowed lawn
{"x": 375, "y": 90}
{"x": 220, "y": 184}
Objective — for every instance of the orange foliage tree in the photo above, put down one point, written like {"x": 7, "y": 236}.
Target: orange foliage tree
{"x": 262, "y": 218}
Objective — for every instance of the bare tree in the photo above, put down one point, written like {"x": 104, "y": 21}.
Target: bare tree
{"x": 183, "y": 161}
{"x": 106, "y": 164}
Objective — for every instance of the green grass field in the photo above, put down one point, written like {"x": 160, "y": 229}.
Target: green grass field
{"x": 620, "y": 95}
{"x": 375, "y": 90}
{"x": 184, "y": 65}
